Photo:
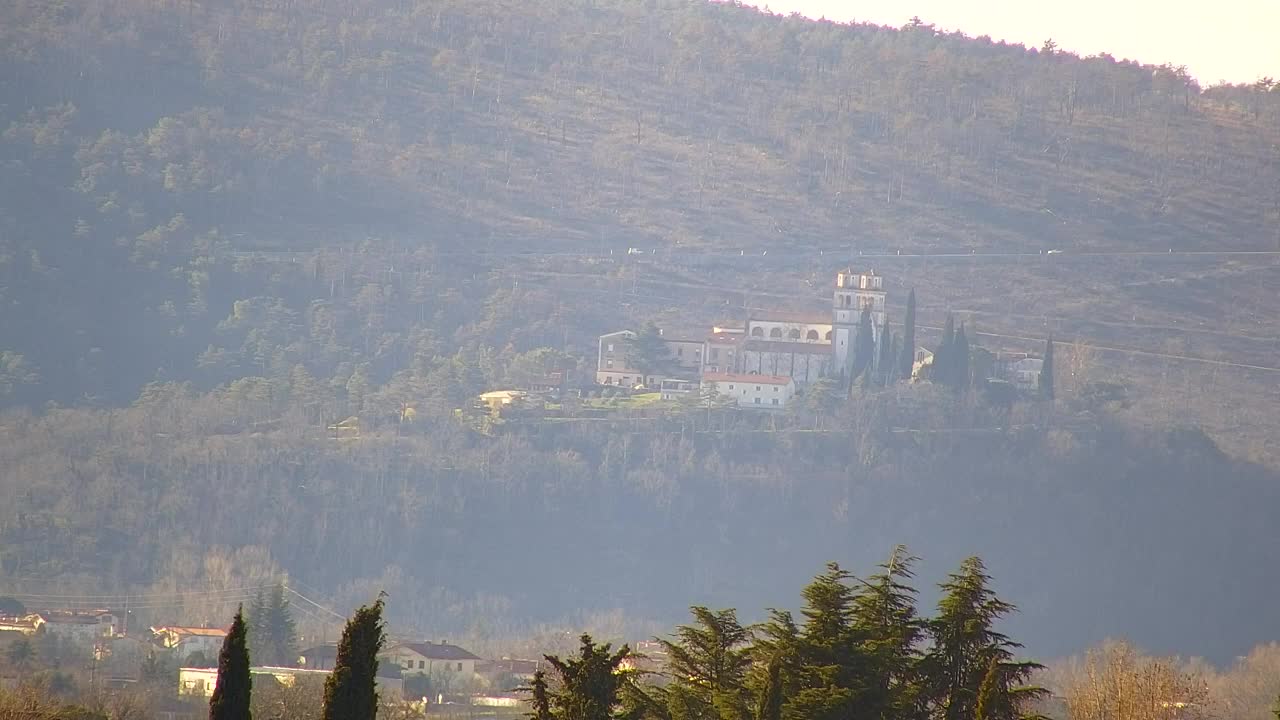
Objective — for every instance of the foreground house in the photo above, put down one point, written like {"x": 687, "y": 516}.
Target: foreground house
{"x": 437, "y": 660}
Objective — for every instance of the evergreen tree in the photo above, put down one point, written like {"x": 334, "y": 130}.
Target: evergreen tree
{"x": 889, "y": 631}
{"x": 707, "y": 665}
{"x": 908, "y": 354}
{"x": 941, "y": 372}
{"x": 960, "y": 361}
{"x": 1046, "y": 371}
{"x": 539, "y": 697}
{"x": 648, "y": 352}
{"x": 257, "y": 626}
{"x": 230, "y": 699}
{"x": 281, "y": 643}
{"x": 965, "y": 644}
{"x": 350, "y": 691}
{"x": 884, "y": 364}
{"x": 769, "y": 706}
{"x": 591, "y": 684}
{"x": 864, "y": 344}
{"x": 830, "y": 666}
{"x": 986, "y": 705}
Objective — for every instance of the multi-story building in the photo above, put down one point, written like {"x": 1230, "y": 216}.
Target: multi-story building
{"x": 801, "y": 346}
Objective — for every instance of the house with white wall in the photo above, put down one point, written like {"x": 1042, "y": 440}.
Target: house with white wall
{"x": 761, "y": 392}
{"x": 449, "y": 664}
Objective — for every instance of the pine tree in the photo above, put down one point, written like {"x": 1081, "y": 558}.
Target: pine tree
{"x": 864, "y": 345}
{"x": 965, "y": 644}
{"x": 985, "y": 708}
{"x": 350, "y": 691}
{"x": 591, "y": 684}
{"x": 769, "y": 706}
{"x": 908, "y": 353}
{"x": 889, "y": 632}
{"x": 257, "y": 626}
{"x": 830, "y": 666}
{"x": 707, "y": 665}
{"x": 281, "y": 644}
{"x": 1046, "y": 371}
{"x": 539, "y": 697}
{"x": 230, "y": 699}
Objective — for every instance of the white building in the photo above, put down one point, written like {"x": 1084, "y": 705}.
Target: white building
{"x": 767, "y": 392}
{"x": 186, "y": 641}
{"x": 201, "y": 682}
{"x": 854, "y": 293}
{"x": 802, "y": 346}
{"x": 1023, "y": 373}
{"x": 436, "y": 660}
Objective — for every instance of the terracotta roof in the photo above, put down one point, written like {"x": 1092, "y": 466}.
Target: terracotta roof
{"x": 745, "y": 378}
{"x": 782, "y": 346}
{"x": 437, "y": 651}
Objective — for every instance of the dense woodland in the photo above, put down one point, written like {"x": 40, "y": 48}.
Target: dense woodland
{"x": 226, "y": 226}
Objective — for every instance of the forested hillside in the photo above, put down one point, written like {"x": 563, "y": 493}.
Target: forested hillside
{"x": 225, "y": 226}
{"x": 146, "y": 144}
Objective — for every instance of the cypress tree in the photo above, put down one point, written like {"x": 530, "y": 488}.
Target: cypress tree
{"x": 864, "y": 344}
{"x": 1046, "y": 371}
{"x": 960, "y": 361}
{"x": 884, "y": 364}
{"x": 350, "y": 691}
{"x": 230, "y": 699}
{"x": 942, "y": 357}
{"x": 908, "y": 354}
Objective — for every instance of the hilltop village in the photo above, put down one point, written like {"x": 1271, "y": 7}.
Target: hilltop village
{"x": 768, "y": 359}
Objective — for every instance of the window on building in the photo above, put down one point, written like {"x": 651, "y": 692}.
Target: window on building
{"x": 775, "y": 333}
{"x": 794, "y": 334}
{"x": 610, "y": 347}
{"x": 608, "y": 363}
{"x": 775, "y": 401}
{"x": 731, "y": 386}
{"x": 422, "y": 664}
{"x": 757, "y": 388}
{"x": 757, "y": 401}
{"x": 811, "y": 335}
{"x": 459, "y": 666}
{"x": 757, "y": 331}
{"x": 775, "y": 388}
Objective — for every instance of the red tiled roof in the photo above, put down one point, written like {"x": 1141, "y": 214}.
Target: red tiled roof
{"x": 782, "y": 346}
{"x": 745, "y": 378}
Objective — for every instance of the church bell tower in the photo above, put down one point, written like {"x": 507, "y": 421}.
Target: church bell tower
{"x": 854, "y": 292}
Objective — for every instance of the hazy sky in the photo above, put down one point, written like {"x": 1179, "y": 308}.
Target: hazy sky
{"x": 1234, "y": 40}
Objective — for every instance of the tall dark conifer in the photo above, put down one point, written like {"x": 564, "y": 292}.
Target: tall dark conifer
{"x": 350, "y": 691}
{"x": 830, "y": 664}
{"x": 885, "y": 369}
{"x": 943, "y": 363}
{"x": 1046, "y": 371}
{"x": 864, "y": 345}
{"x": 230, "y": 699}
{"x": 281, "y": 644}
{"x": 907, "y": 356}
{"x": 960, "y": 360}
